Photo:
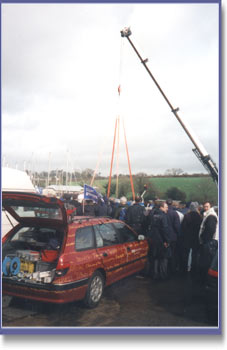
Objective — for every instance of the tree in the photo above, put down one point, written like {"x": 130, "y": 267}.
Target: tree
{"x": 124, "y": 187}
{"x": 112, "y": 188}
{"x": 87, "y": 174}
{"x": 176, "y": 194}
{"x": 205, "y": 190}
{"x": 174, "y": 172}
{"x": 141, "y": 174}
{"x": 151, "y": 192}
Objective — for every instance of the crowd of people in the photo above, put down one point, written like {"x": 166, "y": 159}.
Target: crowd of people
{"x": 181, "y": 237}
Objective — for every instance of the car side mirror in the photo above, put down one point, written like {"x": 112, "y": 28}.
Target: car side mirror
{"x": 141, "y": 238}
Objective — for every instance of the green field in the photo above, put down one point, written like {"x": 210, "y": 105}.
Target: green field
{"x": 195, "y": 188}
{"x": 185, "y": 184}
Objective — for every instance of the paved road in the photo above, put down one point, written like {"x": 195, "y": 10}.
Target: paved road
{"x": 134, "y": 301}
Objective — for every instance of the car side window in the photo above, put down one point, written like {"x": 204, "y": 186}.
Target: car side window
{"x": 126, "y": 235}
{"x": 84, "y": 238}
{"x": 105, "y": 235}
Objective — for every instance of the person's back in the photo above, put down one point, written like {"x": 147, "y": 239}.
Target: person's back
{"x": 190, "y": 229}
{"x": 174, "y": 222}
{"x": 160, "y": 240}
{"x": 135, "y": 216}
{"x": 174, "y": 232}
{"x": 88, "y": 209}
{"x": 159, "y": 225}
{"x": 101, "y": 208}
{"x": 120, "y": 212}
{"x": 190, "y": 238}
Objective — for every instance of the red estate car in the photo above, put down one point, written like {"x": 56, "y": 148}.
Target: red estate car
{"x": 49, "y": 259}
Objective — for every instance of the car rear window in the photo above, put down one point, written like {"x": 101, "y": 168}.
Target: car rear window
{"x": 37, "y": 211}
{"x": 84, "y": 238}
{"x": 105, "y": 235}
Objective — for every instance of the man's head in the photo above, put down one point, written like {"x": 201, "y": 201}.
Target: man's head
{"x": 169, "y": 201}
{"x": 123, "y": 200}
{"x": 206, "y": 206}
{"x": 194, "y": 206}
{"x": 138, "y": 199}
{"x": 182, "y": 205}
{"x": 89, "y": 201}
{"x": 163, "y": 207}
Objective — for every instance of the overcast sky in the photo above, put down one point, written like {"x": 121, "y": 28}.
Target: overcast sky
{"x": 61, "y": 67}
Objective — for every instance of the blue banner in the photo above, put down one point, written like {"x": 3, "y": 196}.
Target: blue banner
{"x": 91, "y": 193}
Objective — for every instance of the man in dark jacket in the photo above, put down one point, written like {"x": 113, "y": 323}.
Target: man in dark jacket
{"x": 120, "y": 212}
{"x": 174, "y": 232}
{"x": 190, "y": 237}
{"x": 101, "y": 208}
{"x": 135, "y": 216}
{"x": 88, "y": 209}
{"x": 160, "y": 240}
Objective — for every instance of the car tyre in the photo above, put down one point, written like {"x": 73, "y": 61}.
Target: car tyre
{"x": 95, "y": 290}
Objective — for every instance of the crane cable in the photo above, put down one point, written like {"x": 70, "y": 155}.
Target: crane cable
{"x": 129, "y": 165}
{"x": 117, "y": 166}
{"x": 125, "y": 138}
{"x": 117, "y": 134}
{"x": 97, "y": 167}
{"x": 111, "y": 165}
{"x": 118, "y": 118}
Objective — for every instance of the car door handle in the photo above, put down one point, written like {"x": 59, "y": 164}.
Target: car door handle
{"x": 105, "y": 254}
{"x": 128, "y": 249}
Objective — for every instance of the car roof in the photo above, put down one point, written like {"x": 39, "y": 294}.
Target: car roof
{"x": 92, "y": 219}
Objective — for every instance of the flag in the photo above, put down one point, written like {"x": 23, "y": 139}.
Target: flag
{"x": 91, "y": 193}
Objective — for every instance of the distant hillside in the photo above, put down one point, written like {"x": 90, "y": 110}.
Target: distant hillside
{"x": 196, "y": 188}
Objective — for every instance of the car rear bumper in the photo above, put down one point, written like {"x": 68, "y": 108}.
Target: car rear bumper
{"x": 49, "y": 292}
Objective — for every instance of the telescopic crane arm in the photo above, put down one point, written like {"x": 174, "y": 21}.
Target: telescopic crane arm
{"x": 199, "y": 150}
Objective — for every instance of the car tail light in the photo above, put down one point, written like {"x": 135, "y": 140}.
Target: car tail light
{"x": 4, "y": 239}
{"x": 61, "y": 270}
{"x": 213, "y": 273}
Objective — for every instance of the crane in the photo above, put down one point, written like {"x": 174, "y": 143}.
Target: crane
{"x": 199, "y": 150}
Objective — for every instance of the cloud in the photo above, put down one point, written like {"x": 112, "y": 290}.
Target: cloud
{"x": 62, "y": 64}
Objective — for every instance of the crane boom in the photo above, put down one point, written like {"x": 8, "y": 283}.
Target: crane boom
{"x": 199, "y": 150}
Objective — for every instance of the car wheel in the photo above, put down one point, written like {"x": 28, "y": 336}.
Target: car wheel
{"x": 94, "y": 290}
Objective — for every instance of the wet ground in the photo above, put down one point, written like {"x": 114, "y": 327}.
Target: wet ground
{"x": 136, "y": 301}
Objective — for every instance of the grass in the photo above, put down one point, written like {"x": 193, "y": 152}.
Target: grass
{"x": 193, "y": 186}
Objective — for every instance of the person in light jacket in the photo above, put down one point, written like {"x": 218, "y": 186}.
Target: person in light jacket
{"x": 208, "y": 238}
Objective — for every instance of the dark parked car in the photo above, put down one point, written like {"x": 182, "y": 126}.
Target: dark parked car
{"x": 47, "y": 257}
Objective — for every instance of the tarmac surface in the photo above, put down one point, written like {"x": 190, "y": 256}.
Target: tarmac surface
{"x": 135, "y": 301}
